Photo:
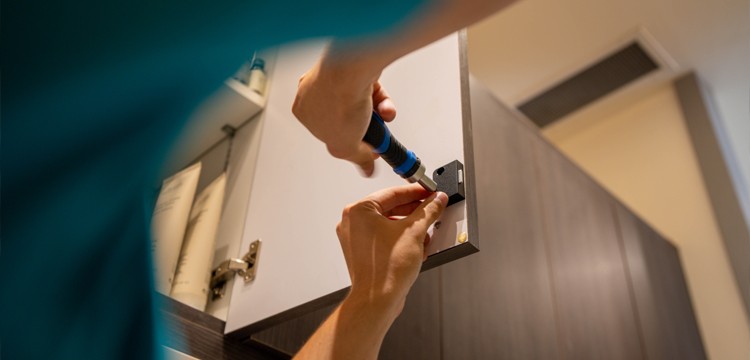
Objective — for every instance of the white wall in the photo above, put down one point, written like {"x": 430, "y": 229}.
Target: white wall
{"x": 643, "y": 155}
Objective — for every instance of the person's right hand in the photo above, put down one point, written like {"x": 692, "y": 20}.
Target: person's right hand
{"x": 383, "y": 238}
{"x": 334, "y": 102}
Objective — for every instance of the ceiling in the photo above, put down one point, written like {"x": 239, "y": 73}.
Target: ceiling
{"x": 535, "y": 43}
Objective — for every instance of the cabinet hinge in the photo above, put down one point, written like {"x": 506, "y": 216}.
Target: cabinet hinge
{"x": 244, "y": 267}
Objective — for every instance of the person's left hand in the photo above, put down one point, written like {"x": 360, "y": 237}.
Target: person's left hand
{"x": 383, "y": 238}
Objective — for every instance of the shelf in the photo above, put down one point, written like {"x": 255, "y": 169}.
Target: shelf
{"x": 245, "y": 91}
{"x": 233, "y": 104}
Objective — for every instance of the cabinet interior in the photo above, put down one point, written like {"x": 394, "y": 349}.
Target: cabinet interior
{"x": 206, "y": 141}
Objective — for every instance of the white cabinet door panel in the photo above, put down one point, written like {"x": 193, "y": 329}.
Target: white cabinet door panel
{"x": 299, "y": 190}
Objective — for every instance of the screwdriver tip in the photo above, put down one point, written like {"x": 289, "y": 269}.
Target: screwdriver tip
{"x": 427, "y": 183}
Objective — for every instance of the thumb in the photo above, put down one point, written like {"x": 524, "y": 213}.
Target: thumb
{"x": 427, "y": 213}
{"x": 364, "y": 158}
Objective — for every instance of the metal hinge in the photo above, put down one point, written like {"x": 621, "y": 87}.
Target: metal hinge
{"x": 244, "y": 267}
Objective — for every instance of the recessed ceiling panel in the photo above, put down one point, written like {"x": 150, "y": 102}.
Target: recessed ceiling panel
{"x": 589, "y": 84}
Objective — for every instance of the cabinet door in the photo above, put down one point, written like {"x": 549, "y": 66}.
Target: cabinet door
{"x": 414, "y": 335}
{"x": 497, "y": 304}
{"x": 299, "y": 190}
{"x": 596, "y": 318}
{"x": 664, "y": 308}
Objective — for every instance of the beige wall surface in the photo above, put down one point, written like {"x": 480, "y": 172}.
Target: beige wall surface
{"x": 533, "y": 44}
{"x": 643, "y": 155}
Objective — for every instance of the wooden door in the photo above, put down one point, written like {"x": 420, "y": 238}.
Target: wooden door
{"x": 497, "y": 304}
{"x": 664, "y": 309}
{"x": 594, "y": 309}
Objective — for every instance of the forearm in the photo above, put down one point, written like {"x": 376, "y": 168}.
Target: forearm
{"x": 364, "y": 59}
{"x": 383, "y": 256}
{"x": 355, "y": 330}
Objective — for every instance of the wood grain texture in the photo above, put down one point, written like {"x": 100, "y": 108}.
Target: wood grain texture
{"x": 596, "y": 318}
{"x": 288, "y": 337}
{"x": 468, "y": 134}
{"x": 200, "y": 335}
{"x": 667, "y": 321}
{"x": 415, "y": 334}
{"x": 498, "y": 303}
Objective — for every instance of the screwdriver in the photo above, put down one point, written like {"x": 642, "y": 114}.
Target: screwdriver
{"x": 403, "y": 161}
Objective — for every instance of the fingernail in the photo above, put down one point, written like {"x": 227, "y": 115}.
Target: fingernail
{"x": 442, "y": 198}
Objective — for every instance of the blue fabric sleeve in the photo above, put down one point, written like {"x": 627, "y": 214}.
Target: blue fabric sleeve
{"x": 93, "y": 94}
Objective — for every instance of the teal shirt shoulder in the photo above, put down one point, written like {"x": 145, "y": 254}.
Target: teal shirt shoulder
{"x": 93, "y": 94}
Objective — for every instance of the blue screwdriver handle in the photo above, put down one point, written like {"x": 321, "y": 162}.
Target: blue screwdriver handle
{"x": 403, "y": 161}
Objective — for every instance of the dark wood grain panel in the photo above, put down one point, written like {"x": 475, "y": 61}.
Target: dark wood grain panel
{"x": 663, "y": 303}
{"x": 596, "y": 317}
{"x": 498, "y": 303}
{"x": 200, "y": 335}
{"x": 415, "y": 335}
{"x": 288, "y": 337}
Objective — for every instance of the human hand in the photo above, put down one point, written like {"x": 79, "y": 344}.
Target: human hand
{"x": 334, "y": 102}
{"x": 383, "y": 238}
